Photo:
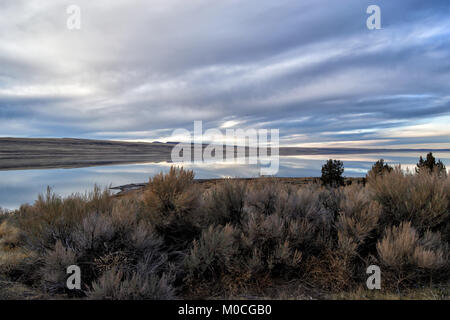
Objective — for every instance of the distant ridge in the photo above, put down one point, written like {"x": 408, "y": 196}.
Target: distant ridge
{"x": 40, "y": 153}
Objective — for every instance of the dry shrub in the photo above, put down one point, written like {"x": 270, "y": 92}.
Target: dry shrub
{"x": 52, "y": 218}
{"x": 213, "y": 254}
{"x": 171, "y": 202}
{"x": 331, "y": 270}
{"x": 397, "y": 246}
{"x": 266, "y": 197}
{"x": 407, "y": 256}
{"x": 94, "y": 231}
{"x": 327, "y": 226}
{"x": 265, "y": 230}
{"x": 230, "y": 259}
{"x": 306, "y": 236}
{"x": 50, "y": 221}
{"x": 10, "y": 236}
{"x": 118, "y": 231}
{"x": 124, "y": 277}
{"x": 357, "y": 221}
{"x": 53, "y": 272}
{"x": 100, "y": 240}
{"x": 110, "y": 240}
{"x": 266, "y": 246}
{"x": 12, "y": 261}
{"x": 330, "y": 199}
{"x": 306, "y": 202}
{"x": 125, "y": 214}
{"x": 420, "y": 199}
{"x": 114, "y": 284}
{"x": 172, "y": 193}
{"x": 143, "y": 239}
{"x": 445, "y": 230}
{"x": 4, "y": 214}
{"x": 225, "y": 203}
{"x": 415, "y": 215}
{"x": 99, "y": 200}
{"x": 309, "y": 221}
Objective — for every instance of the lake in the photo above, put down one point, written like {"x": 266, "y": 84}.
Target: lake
{"x": 23, "y": 186}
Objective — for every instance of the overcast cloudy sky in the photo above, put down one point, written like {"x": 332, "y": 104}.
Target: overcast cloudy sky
{"x": 139, "y": 69}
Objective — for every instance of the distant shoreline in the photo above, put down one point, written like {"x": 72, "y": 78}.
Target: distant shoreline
{"x": 60, "y": 153}
{"x": 129, "y": 189}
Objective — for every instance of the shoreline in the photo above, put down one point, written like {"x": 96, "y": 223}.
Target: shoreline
{"x": 207, "y": 183}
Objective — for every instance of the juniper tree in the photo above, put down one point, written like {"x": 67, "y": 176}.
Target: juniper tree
{"x": 430, "y": 165}
{"x": 380, "y": 168}
{"x": 332, "y": 172}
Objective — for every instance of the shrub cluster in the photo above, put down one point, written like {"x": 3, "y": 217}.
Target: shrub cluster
{"x": 183, "y": 240}
{"x": 104, "y": 237}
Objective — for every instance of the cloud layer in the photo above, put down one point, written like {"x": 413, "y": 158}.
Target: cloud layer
{"x": 139, "y": 69}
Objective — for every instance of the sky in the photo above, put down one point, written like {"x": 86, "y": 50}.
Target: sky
{"x": 136, "y": 70}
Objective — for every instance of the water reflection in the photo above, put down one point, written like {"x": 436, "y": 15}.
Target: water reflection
{"x": 23, "y": 186}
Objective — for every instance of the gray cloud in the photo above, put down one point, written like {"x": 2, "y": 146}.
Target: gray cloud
{"x": 137, "y": 70}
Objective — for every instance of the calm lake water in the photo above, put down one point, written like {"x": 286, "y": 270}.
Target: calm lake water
{"x": 23, "y": 186}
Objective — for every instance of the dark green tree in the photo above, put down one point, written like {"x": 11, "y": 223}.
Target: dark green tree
{"x": 332, "y": 172}
{"x": 380, "y": 168}
{"x": 430, "y": 165}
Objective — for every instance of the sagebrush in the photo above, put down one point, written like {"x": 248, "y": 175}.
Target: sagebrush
{"x": 182, "y": 240}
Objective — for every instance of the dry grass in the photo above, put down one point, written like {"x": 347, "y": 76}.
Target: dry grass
{"x": 424, "y": 293}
